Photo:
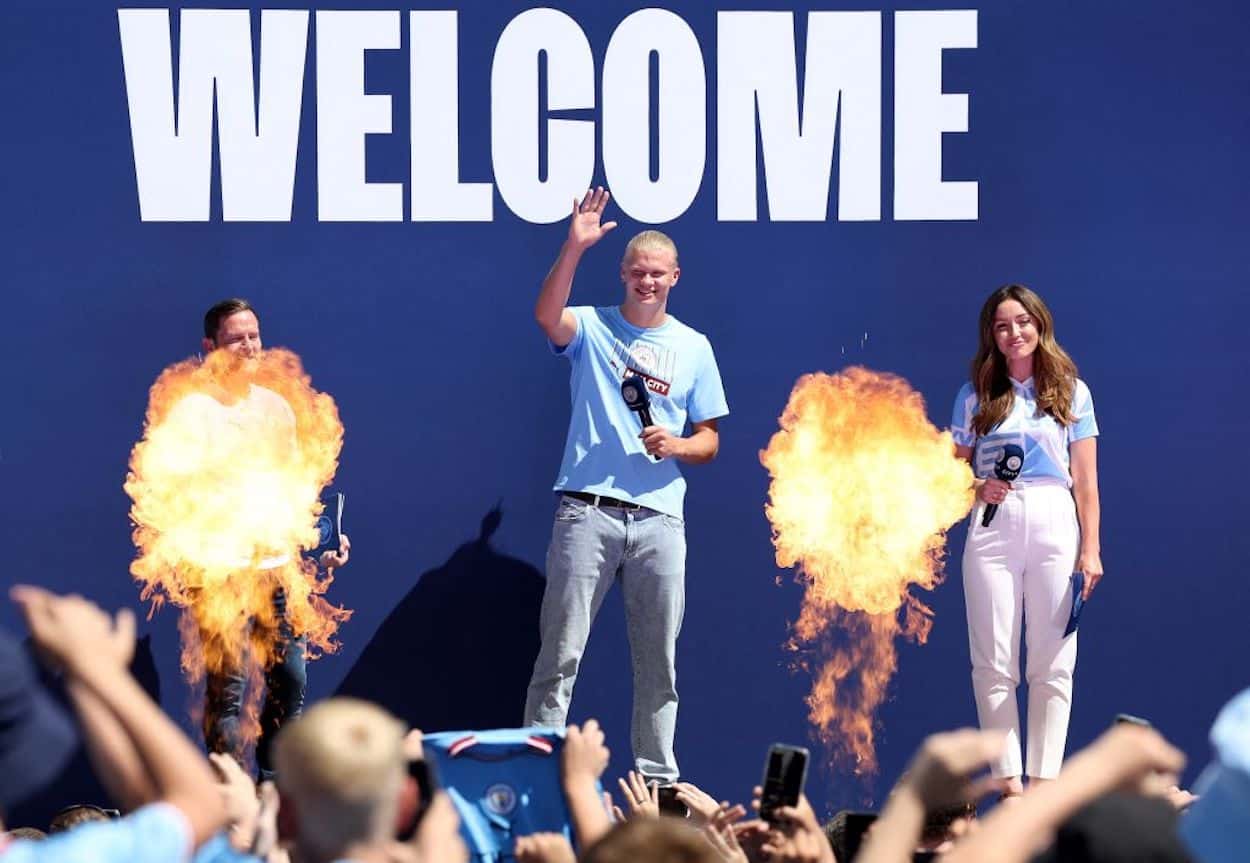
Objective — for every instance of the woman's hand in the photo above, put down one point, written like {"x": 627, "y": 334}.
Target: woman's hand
{"x": 1090, "y": 563}
{"x": 993, "y": 490}
{"x": 641, "y": 797}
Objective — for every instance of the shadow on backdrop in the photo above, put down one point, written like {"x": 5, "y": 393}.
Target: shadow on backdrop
{"x": 457, "y": 652}
{"x": 77, "y": 783}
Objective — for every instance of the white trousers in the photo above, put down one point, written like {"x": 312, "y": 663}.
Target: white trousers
{"x": 1019, "y": 570}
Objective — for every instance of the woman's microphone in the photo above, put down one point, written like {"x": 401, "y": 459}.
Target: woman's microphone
{"x": 1007, "y": 468}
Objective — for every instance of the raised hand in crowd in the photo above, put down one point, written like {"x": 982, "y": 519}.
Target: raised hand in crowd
{"x": 265, "y": 845}
{"x": 238, "y": 795}
{"x": 74, "y": 635}
{"x": 1125, "y": 758}
{"x": 642, "y": 799}
{"x": 945, "y": 770}
{"x": 943, "y": 773}
{"x": 702, "y": 805}
{"x": 795, "y": 835}
{"x": 94, "y": 648}
{"x": 719, "y": 831}
{"x": 751, "y": 837}
{"x": 544, "y": 848}
{"x": 1128, "y": 758}
{"x": 582, "y": 762}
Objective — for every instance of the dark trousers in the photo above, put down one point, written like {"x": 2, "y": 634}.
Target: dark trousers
{"x": 285, "y": 682}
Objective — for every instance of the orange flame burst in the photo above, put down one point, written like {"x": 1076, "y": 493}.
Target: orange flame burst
{"x": 225, "y": 486}
{"x": 863, "y": 489}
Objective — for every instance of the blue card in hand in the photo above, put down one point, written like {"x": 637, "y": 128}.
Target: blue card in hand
{"x": 1078, "y": 603}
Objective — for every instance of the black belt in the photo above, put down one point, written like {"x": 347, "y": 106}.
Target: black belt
{"x": 604, "y": 500}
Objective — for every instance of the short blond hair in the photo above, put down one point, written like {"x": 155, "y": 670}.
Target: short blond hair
{"x": 649, "y": 239}
{"x": 342, "y": 763}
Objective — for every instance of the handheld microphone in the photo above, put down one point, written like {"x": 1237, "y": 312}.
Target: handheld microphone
{"x": 1007, "y": 468}
{"x": 638, "y": 400}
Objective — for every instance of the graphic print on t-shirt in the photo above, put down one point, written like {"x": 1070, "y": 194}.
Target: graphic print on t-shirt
{"x": 653, "y": 363}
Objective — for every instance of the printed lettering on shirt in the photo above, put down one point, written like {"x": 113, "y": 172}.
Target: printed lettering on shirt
{"x": 651, "y": 362}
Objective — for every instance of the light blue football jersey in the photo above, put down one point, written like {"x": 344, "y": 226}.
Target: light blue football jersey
{"x": 504, "y": 784}
{"x": 1045, "y": 442}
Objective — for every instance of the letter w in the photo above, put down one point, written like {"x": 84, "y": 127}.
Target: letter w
{"x": 173, "y": 156}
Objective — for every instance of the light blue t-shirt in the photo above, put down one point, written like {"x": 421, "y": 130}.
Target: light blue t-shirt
{"x": 603, "y": 453}
{"x": 219, "y": 850}
{"x": 1044, "y": 441}
{"x": 158, "y": 833}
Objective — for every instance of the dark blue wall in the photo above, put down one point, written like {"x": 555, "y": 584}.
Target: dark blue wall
{"x": 1109, "y": 141}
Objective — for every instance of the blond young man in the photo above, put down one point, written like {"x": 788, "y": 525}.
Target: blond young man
{"x": 620, "y": 515}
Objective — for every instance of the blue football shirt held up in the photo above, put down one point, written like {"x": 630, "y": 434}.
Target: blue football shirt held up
{"x": 603, "y": 453}
{"x": 504, "y": 784}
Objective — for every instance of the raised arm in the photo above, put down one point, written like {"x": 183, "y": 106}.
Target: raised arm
{"x": 582, "y": 762}
{"x": 83, "y": 640}
{"x": 940, "y": 775}
{"x": 585, "y": 229}
{"x": 1125, "y": 758}
{"x": 113, "y": 755}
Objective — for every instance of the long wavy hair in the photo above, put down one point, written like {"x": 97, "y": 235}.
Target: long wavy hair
{"x": 1054, "y": 373}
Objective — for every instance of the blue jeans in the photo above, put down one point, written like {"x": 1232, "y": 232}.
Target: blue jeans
{"x": 591, "y": 548}
{"x": 285, "y": 682}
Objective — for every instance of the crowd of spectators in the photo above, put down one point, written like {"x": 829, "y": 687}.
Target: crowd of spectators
{"x": 344, "y": 788}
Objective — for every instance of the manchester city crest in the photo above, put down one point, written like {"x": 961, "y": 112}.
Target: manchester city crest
{"x": 500, "y": 799}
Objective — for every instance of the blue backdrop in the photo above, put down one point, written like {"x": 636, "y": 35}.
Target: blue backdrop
{"x": 1109, "y": 142}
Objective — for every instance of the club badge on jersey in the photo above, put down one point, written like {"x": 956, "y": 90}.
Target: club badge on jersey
{"x": 504, "y": 784}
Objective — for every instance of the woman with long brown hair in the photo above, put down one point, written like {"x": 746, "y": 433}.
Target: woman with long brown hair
{"x": 1025, "y": 412}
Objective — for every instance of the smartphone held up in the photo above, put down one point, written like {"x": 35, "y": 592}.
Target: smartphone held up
{"x": 785, "y": 773}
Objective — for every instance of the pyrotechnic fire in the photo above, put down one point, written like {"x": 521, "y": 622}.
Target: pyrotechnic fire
{"x": 225, "y": 487}
{"x": 863, "y": 489}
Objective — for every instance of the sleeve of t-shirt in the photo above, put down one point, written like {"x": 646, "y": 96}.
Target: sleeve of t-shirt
{"x": 157, "y": 833}
{"x": 1086, "y": 424}
{"x": 574, "y": 348}
{"x": 707, "y": 396}
{"x": 961, "y": 417}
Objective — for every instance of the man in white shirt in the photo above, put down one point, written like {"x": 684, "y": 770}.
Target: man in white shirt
{"x": 258, "y": 417}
